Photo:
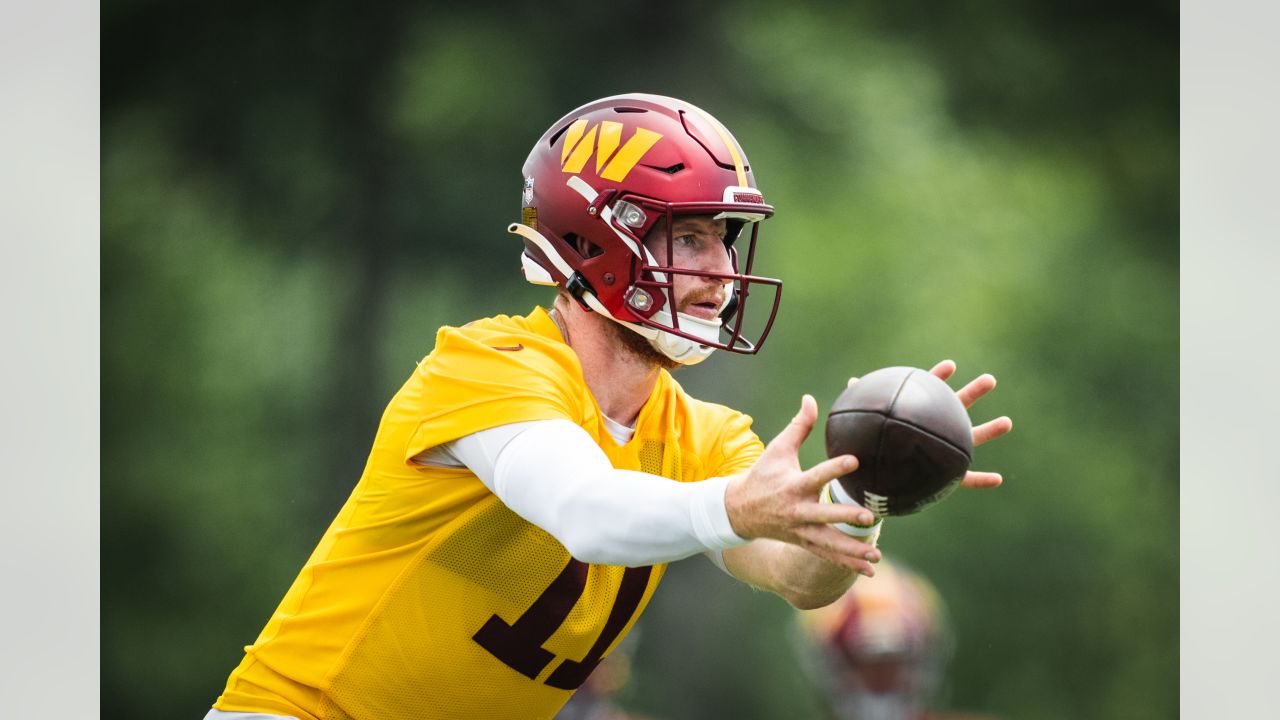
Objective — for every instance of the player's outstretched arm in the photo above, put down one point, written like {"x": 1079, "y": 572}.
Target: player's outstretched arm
{"x": 796, "y": 575}
{"x": 778, "y": 500}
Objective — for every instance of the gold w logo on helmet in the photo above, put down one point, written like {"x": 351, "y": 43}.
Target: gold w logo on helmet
{"x": 612, "y": 163}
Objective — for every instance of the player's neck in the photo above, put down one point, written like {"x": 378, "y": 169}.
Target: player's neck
{"x": 619, "y": 379}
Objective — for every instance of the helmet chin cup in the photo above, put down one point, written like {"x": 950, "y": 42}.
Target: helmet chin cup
{"x": 681, "y": 350}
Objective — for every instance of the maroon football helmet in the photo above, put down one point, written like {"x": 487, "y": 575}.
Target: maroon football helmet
{"x": 602, "y": 177}
{"x": 881, "y": 650}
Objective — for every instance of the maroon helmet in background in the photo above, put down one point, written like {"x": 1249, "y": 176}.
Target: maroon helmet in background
{"x": 880, "y": 651}
{"x": 599, "y": 181}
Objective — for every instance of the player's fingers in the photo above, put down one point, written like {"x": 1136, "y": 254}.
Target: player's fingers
{"x": 981, "y": 480}
{"x": 828, "y": 513}
{"x": 981, "y": 385}
{"x": 862, "y": 567}
{"x": 815, "y": 477}
{"x": 792, "y": 436}
{"x": 991, "y": 430}
{"x": 944, "y": 369}
{"x": 840, "y": 548}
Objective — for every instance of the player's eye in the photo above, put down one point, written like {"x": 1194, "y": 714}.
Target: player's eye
{"x": 687, "y": 240}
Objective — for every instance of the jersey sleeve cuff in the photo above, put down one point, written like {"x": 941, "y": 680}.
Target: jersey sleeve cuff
{"x": 710, "y": 519}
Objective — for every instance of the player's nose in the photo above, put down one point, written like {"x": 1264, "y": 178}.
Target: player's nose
{"x": 716, "y": 259}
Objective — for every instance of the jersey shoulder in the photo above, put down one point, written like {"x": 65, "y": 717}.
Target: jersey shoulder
{"x": 520, "y": 340}
{"x": 491, "y": 372}
{"x": 720, "y": 433}
{"x": 704, "y": 413}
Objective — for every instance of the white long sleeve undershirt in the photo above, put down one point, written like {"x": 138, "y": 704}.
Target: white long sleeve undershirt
{"x": 552, "y": 473}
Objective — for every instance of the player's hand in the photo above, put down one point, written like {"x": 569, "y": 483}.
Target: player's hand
{"x": 778, "y": 499}
{"x": 986, "y": 432}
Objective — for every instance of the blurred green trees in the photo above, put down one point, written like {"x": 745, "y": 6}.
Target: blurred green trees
{"x": 295, "y": 196}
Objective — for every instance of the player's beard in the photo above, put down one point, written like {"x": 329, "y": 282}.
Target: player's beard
{"x": 639, "y": 347}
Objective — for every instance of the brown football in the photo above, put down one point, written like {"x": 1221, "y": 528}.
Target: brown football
{"x": 911, "y": 435}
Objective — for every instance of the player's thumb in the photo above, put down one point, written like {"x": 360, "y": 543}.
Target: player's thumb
{"x": 793, "y": 435}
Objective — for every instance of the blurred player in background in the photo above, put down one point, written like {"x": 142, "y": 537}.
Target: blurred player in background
{"x": 595, "y": 700}
{"x": 881, "y": 651}
{"x": 533, "y": 476}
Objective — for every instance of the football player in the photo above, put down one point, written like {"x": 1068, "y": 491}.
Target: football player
{"x": 879, "y": 652}
{"x": 532, "y": 478}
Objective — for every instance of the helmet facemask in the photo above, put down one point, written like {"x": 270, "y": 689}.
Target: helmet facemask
{"x": 652, "y": 295}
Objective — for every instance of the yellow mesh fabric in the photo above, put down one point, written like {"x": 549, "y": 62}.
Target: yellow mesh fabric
{"x": 493, "y": 562}
{"x": 427, "y": 597}
{"x": 652, "y": 456}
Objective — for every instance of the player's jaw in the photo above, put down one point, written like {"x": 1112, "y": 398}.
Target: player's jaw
{"x": 639, "y": 347}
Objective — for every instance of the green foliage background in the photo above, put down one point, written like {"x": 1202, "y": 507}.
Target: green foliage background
{"x": 296, "y": 195}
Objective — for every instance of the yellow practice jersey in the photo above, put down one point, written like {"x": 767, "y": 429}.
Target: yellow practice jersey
{"x": 427, "y": 597}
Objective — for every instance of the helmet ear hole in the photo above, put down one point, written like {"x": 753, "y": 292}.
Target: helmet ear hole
{"x": 584, "y": 247}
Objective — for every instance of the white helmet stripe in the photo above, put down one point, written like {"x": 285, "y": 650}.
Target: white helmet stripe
{"x": 581, "y": 187}
{"x": 543, "y": 244}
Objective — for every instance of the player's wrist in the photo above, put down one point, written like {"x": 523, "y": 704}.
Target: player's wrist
{"x": 711, "y": 521}
{"x": 734, "y": 507}
{"x": 834, "y": 493}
